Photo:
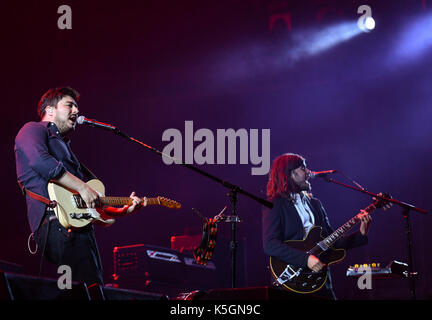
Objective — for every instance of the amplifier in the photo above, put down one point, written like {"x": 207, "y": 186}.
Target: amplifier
{"x": 185, "y": 242}
{"x": 144, "y": 264}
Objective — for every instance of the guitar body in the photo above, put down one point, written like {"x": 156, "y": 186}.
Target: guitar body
{"x": 305, "y": 281}
{"x": 69, "y": 212}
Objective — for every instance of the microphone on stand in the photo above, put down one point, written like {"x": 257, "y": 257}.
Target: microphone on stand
{"x": 94, "y": 123}
{"x": 321, "y": 174}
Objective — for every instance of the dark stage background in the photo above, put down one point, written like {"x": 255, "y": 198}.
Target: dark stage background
{"x": 147, "y": 66}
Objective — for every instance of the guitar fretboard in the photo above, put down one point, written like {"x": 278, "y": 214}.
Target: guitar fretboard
{"x": 122, "y": 201}
{"x": 342, "y": 230}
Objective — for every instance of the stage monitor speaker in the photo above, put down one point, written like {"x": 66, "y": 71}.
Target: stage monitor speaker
{"x": 123, "y": 294}
{"x": 25, "y": 287}
{"x": 251, "y": 293}
{"x": 100, "y": 293}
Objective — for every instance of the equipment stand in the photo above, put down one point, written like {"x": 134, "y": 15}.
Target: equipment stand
{"x": 406, "y": 207}
{"x": 411, "y": 274}
{"x": 233, "y": 244}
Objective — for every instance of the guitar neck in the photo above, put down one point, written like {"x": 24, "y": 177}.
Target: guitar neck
{"x": 126, "y": 201}
{"x": 342, "y": 230}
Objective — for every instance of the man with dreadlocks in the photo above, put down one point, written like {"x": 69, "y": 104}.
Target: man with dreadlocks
{"x": 294, "y": 213}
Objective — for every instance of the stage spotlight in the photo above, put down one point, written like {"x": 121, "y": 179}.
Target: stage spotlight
{"x": 369, "y": 23}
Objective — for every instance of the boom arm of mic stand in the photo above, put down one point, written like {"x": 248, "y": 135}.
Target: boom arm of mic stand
{"x": 400, "y": 203}
{"x": 226, "y": 184}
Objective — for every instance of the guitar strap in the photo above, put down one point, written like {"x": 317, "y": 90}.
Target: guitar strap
{"x": 48, "y": 202}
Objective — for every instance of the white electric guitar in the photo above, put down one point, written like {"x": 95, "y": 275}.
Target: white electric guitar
{"x": 72, "y": 212}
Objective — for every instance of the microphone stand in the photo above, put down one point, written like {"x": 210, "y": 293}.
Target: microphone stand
{"x": 406, "y": 208}
{"x": 233, "y": 194}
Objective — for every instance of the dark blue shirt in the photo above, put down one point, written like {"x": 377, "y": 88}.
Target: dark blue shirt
{"x": 42, "y": 154}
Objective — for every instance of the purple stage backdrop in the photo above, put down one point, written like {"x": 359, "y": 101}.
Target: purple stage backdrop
{"x": 358, "y": 102}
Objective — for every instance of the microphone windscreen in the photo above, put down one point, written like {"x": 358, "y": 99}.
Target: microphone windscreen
{"x": 80, "y": 119}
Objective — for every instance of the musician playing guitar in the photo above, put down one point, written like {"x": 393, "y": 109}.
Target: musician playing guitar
{"x": 295, "y": 212}
{"x": 43, "y": 154}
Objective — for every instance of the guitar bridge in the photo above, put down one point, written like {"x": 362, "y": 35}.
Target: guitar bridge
{"x": 288, "y": 274}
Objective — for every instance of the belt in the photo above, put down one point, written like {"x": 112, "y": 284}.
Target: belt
{"x": 49, "y": 216}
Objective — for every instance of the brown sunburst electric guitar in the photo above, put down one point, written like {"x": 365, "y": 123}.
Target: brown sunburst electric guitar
{"x": 303, "y": 280}
{"x": 72, "y": 211}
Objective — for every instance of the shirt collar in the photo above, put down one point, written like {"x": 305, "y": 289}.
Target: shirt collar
{"x": 297, "y": 197}
{"x": 53, "y": 128}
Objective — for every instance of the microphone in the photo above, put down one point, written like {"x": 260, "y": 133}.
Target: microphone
{"x": 94, "y": 123}
{"x": 321, "y": 174}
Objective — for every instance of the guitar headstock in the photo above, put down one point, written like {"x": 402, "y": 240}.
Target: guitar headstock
{"x": 169, "y": 203}
{"x": 381, "y": 203}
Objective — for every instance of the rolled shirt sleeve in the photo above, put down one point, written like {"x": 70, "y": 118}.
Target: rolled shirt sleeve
{"x": 43, "y": 154}
{"x": 35, "y": 166}
{"x": 31, "y": 147}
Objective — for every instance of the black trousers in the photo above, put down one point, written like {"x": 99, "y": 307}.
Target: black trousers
{"x": 76, "y": 249}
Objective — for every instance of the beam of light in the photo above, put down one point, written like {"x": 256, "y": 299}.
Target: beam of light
{"x": 416, "y": 40}
{"x": 312, "y": 42}
{"x": 256, "y": 59}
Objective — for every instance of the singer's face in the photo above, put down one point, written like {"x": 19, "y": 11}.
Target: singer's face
{"x": 300, "y": 176}
{"x": 66, "y": 114}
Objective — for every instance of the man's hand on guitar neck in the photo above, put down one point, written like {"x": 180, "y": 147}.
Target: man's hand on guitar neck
{"x": 365, "y": 223}
{"x": 314, "y": 263}
{"x": 137, "y": 203}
